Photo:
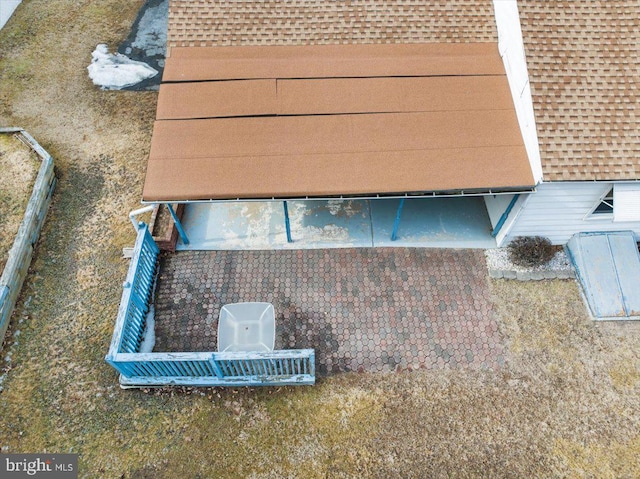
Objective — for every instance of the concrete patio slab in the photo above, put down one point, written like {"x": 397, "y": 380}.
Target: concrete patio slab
{"x": 461, "y": 222}
{"x": 360, "y": 309}
{"x": 261, "y": 225}
{"x": 425, "y": 222}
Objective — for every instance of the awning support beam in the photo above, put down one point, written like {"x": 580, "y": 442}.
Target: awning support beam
{"x": 396, "y": 224}
{"x": 176, "y": 221}
{"x": 287, "y": 224}
{"x": 504, "y": 216}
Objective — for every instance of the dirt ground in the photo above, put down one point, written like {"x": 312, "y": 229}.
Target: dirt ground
{"x": 19, "y": 166}
{"x": 566, "y": 404}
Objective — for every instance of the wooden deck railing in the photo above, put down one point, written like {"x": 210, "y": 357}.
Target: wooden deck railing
{"x": 19, "y": 258}
{"x": 287, "y": 367}
{"x": 283, "y": 367}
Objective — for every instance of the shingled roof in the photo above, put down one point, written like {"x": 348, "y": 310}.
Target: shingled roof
{"x": 207, "y": 23}
{"x": 584, "y": 68}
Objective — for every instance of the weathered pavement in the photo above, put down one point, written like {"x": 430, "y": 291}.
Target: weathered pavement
{"x": 147, "y": 41}
{"x": 360, "y": 309}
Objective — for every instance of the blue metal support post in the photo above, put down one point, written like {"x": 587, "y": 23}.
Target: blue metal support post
{"x": 287, "y": 225}
{"x": 176, "y": 220}
{"x": 504, "y": 216}
{"x": 396, "y": 224}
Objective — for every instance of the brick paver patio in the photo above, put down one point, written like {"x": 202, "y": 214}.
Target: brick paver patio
{"x": 360, "y": 309}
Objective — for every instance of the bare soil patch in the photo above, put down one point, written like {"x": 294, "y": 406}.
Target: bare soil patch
{"x": 19, "y": 166}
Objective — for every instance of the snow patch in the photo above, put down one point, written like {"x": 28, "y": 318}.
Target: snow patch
{"x": 303, "y": 233}
{"x": 346, "y": 208}
{"x": 326, "y": 233}
{"x": 149, "y": 339}
{"x": 257, "y": 217}
{"x": 114, "y": 71}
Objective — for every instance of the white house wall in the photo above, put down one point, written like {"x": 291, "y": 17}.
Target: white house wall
{"x": 626, "y": 197}
{"x": 497, "y": 206}
{"x": 558, "y": 210}
{"x": 512, "y": 51}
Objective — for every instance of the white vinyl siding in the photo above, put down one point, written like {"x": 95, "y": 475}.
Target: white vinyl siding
{"x": 626, "y": 200}
{"x": 558, "y": 210}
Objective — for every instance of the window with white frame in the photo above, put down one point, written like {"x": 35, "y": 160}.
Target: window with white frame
{"x": 620, "y": 203}
{"x": 604, "y": 208}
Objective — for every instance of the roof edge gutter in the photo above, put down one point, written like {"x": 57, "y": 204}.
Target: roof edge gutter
{"x": 435, "y": 194}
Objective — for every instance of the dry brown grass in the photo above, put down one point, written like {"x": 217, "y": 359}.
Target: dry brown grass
{"x": 19, "y": 166}
{"x": 567, "y": 403}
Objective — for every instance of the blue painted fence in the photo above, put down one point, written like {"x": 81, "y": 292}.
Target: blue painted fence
{"x": 284, "y": 367}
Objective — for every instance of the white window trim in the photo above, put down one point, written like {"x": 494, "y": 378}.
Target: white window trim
{"x": 591, "y": 216}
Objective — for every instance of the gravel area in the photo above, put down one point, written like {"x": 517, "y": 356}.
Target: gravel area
{"x": 500, "y": 266}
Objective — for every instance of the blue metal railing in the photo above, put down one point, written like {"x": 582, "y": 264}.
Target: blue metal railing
{"x": 187, "y": 365}
{"x": 136, "y": 295}
{"x": 505, "y": 215}
{"x": 283, "y": 367}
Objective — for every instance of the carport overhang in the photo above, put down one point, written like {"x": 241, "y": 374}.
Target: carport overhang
{"x": 272, "y": 123}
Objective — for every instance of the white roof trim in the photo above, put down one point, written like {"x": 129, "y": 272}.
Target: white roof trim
{"x": 511, "y": 47}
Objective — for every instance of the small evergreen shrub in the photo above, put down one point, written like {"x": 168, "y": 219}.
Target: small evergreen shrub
{"x": 531, "y": 251}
